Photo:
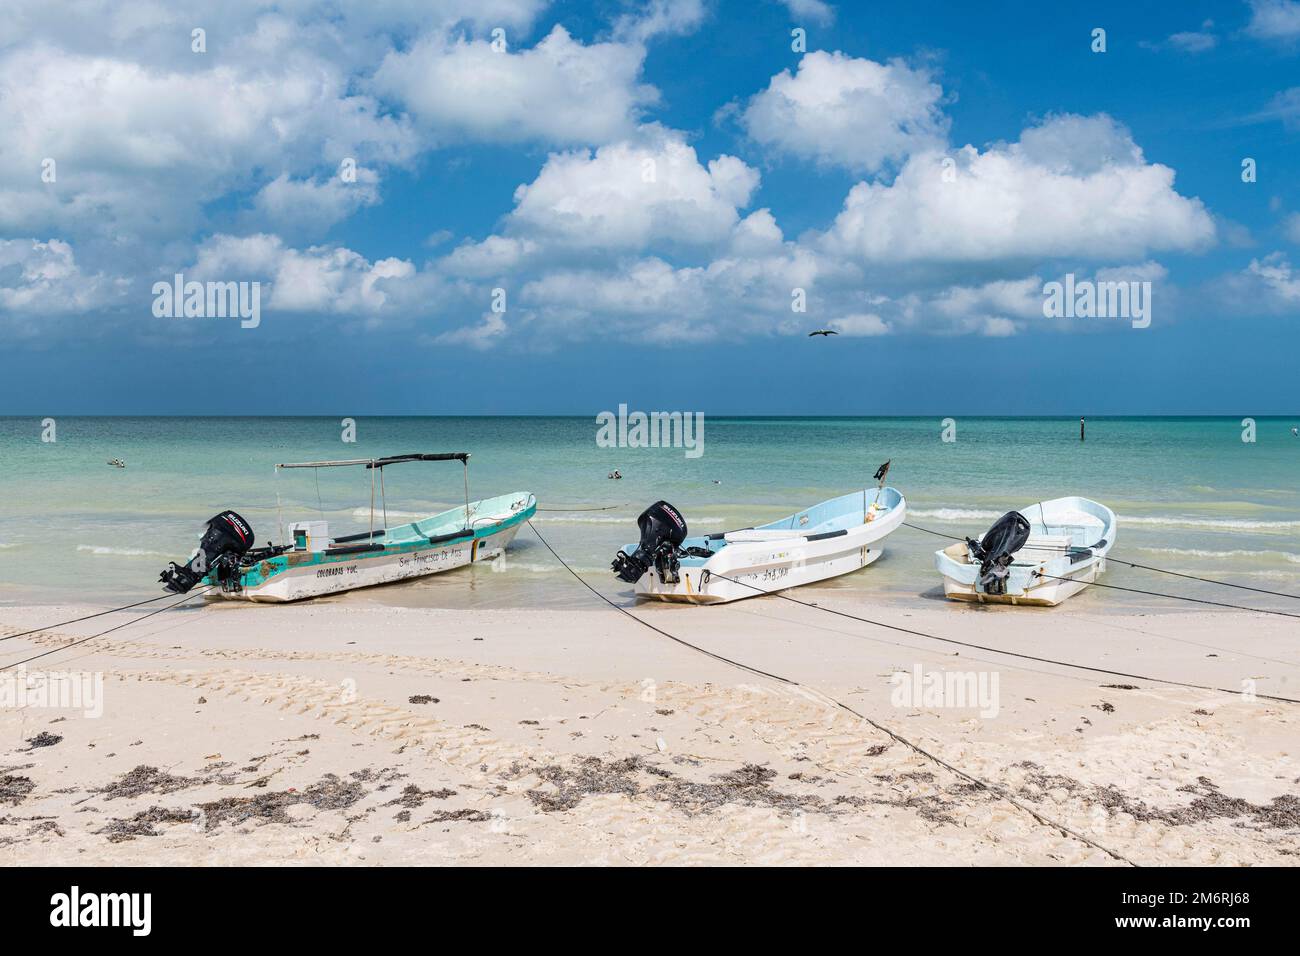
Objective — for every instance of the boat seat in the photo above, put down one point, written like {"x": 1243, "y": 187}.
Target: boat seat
{"x": 1047, "y": 541}
{"x": 1043, "y": 547}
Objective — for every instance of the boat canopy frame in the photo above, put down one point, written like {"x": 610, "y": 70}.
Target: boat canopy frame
{"x": 374, "y": 466}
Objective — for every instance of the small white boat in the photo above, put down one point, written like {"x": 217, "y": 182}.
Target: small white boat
{"x": 314, "y": 563}
{"x": 1041, "y": 556}
{"x": 829, "y": 539}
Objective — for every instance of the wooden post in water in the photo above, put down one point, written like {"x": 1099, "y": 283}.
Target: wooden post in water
{"x": 1081, "y": 429}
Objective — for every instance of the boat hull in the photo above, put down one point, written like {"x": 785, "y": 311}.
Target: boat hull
{"x": 1048, "y": 593}
{"x": 300, "y": 576}
{"x": 1066, "y": 551}
{"x": 751, "y": 568}
{"x": 700, "y": 586}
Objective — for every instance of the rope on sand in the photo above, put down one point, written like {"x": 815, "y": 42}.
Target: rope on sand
{"x": 136, "y": 620}
{"x": 996, "y": 650}
{"x": 992, "y": 788}
{"x": 76, "y": 620}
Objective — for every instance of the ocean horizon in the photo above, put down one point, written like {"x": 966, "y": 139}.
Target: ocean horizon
{"x": 1189, "y": 493}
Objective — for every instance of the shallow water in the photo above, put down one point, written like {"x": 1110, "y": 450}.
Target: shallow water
{"x": 1190, "y": 495}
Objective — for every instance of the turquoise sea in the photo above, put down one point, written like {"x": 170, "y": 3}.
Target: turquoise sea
{"x": 1189, "y": 493}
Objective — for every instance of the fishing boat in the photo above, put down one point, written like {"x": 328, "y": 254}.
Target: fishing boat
{"x": 835, "y": 537}
{"x": 1041, "y": 556}
{"x": 311, "y": 563}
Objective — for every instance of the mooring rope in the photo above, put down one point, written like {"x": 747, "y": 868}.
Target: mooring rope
{"x": 134, "y": 620}
{"x": 607, "y": 508}
{"x": 78, "y": 620}
{"x": 992, "y": 788}
{"x": 996, "y": 650}
{"x": 1179, "y": 597}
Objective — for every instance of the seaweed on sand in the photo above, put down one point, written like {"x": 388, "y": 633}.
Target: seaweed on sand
{"x": 634, "y": 777}
{"x": 1208, "y": 802}
{"x": 14, "y": 789}
{"x": 142, "y": 824}
{"x": 144, "y": 779}
{"x": 329, "y": 793}
{"x": 412, "y": 796}
{"x": 466, "y": 815}
{"x": 748, "y": 785}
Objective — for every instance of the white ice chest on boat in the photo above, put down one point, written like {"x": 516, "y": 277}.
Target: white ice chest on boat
{"x": 1069, "y": 539}
{"x": 829, "y": 539}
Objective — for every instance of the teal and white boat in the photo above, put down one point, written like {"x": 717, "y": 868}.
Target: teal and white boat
{"x": 313, "y": 563}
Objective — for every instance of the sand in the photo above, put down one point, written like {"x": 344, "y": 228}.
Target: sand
{"x": 358, "y": 733}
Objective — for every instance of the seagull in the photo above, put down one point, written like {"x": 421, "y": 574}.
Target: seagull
{"x": 823, "y": 332}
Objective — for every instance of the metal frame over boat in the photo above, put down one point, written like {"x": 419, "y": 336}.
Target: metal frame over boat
{"x": 1065, "y": 551}
{"x": 835, "y": 537}
{"x": 315, "y": 564}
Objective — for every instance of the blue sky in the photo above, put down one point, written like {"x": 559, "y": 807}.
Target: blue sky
{"x": 650, "y": 187}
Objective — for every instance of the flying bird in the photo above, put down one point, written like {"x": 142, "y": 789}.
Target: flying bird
{"x": 823, "y": 332}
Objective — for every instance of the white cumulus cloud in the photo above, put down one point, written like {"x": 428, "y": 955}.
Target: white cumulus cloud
{"x": 1274, "y": 19}
{"x": 850, "y": 112}
{"x": 1072, "y": 186}
{"x": 322, "y": 279}
{"x": 629, "y": 194}
{"x": 560, "y": 91}
{"x": 818, "y": 11}
{"x": 42, "y": 279}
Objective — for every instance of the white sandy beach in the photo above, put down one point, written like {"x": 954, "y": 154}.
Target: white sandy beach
{"x": 356, "y": 733}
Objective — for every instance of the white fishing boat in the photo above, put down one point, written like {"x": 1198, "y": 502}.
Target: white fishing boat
{"x": 1041, "y": 556}
{"x": 835, "y": 537}
{"x": 311, "y": 563}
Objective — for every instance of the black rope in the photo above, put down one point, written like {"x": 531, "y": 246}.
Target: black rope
{"x": 134, "y": 620}
{"x": 77, "y": 620}
{"x": 1193, "y": 577}
{"x": 1147, "y": 567}
{"x": 995, "y": 650}
{"x": 623, "y": 610}
{"x": 916, "y": 748}
{"x": 1177, "y": 597}
{"x": 608, "y": 508}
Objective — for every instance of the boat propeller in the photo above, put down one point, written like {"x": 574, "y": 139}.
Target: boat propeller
{"x": 996, "y": 550}
{"x": 227, "y": 538}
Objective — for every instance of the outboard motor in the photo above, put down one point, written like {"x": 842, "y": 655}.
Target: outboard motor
{"x": 996, "y": 549}
{"x": 227, "y": 539}
{"x": 663, "y": 529}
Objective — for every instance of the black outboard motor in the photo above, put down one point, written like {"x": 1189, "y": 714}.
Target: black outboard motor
{"x": 996, "y": 549}
{"x": 227, "y": 539}
{"x": 663, "y": 529}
